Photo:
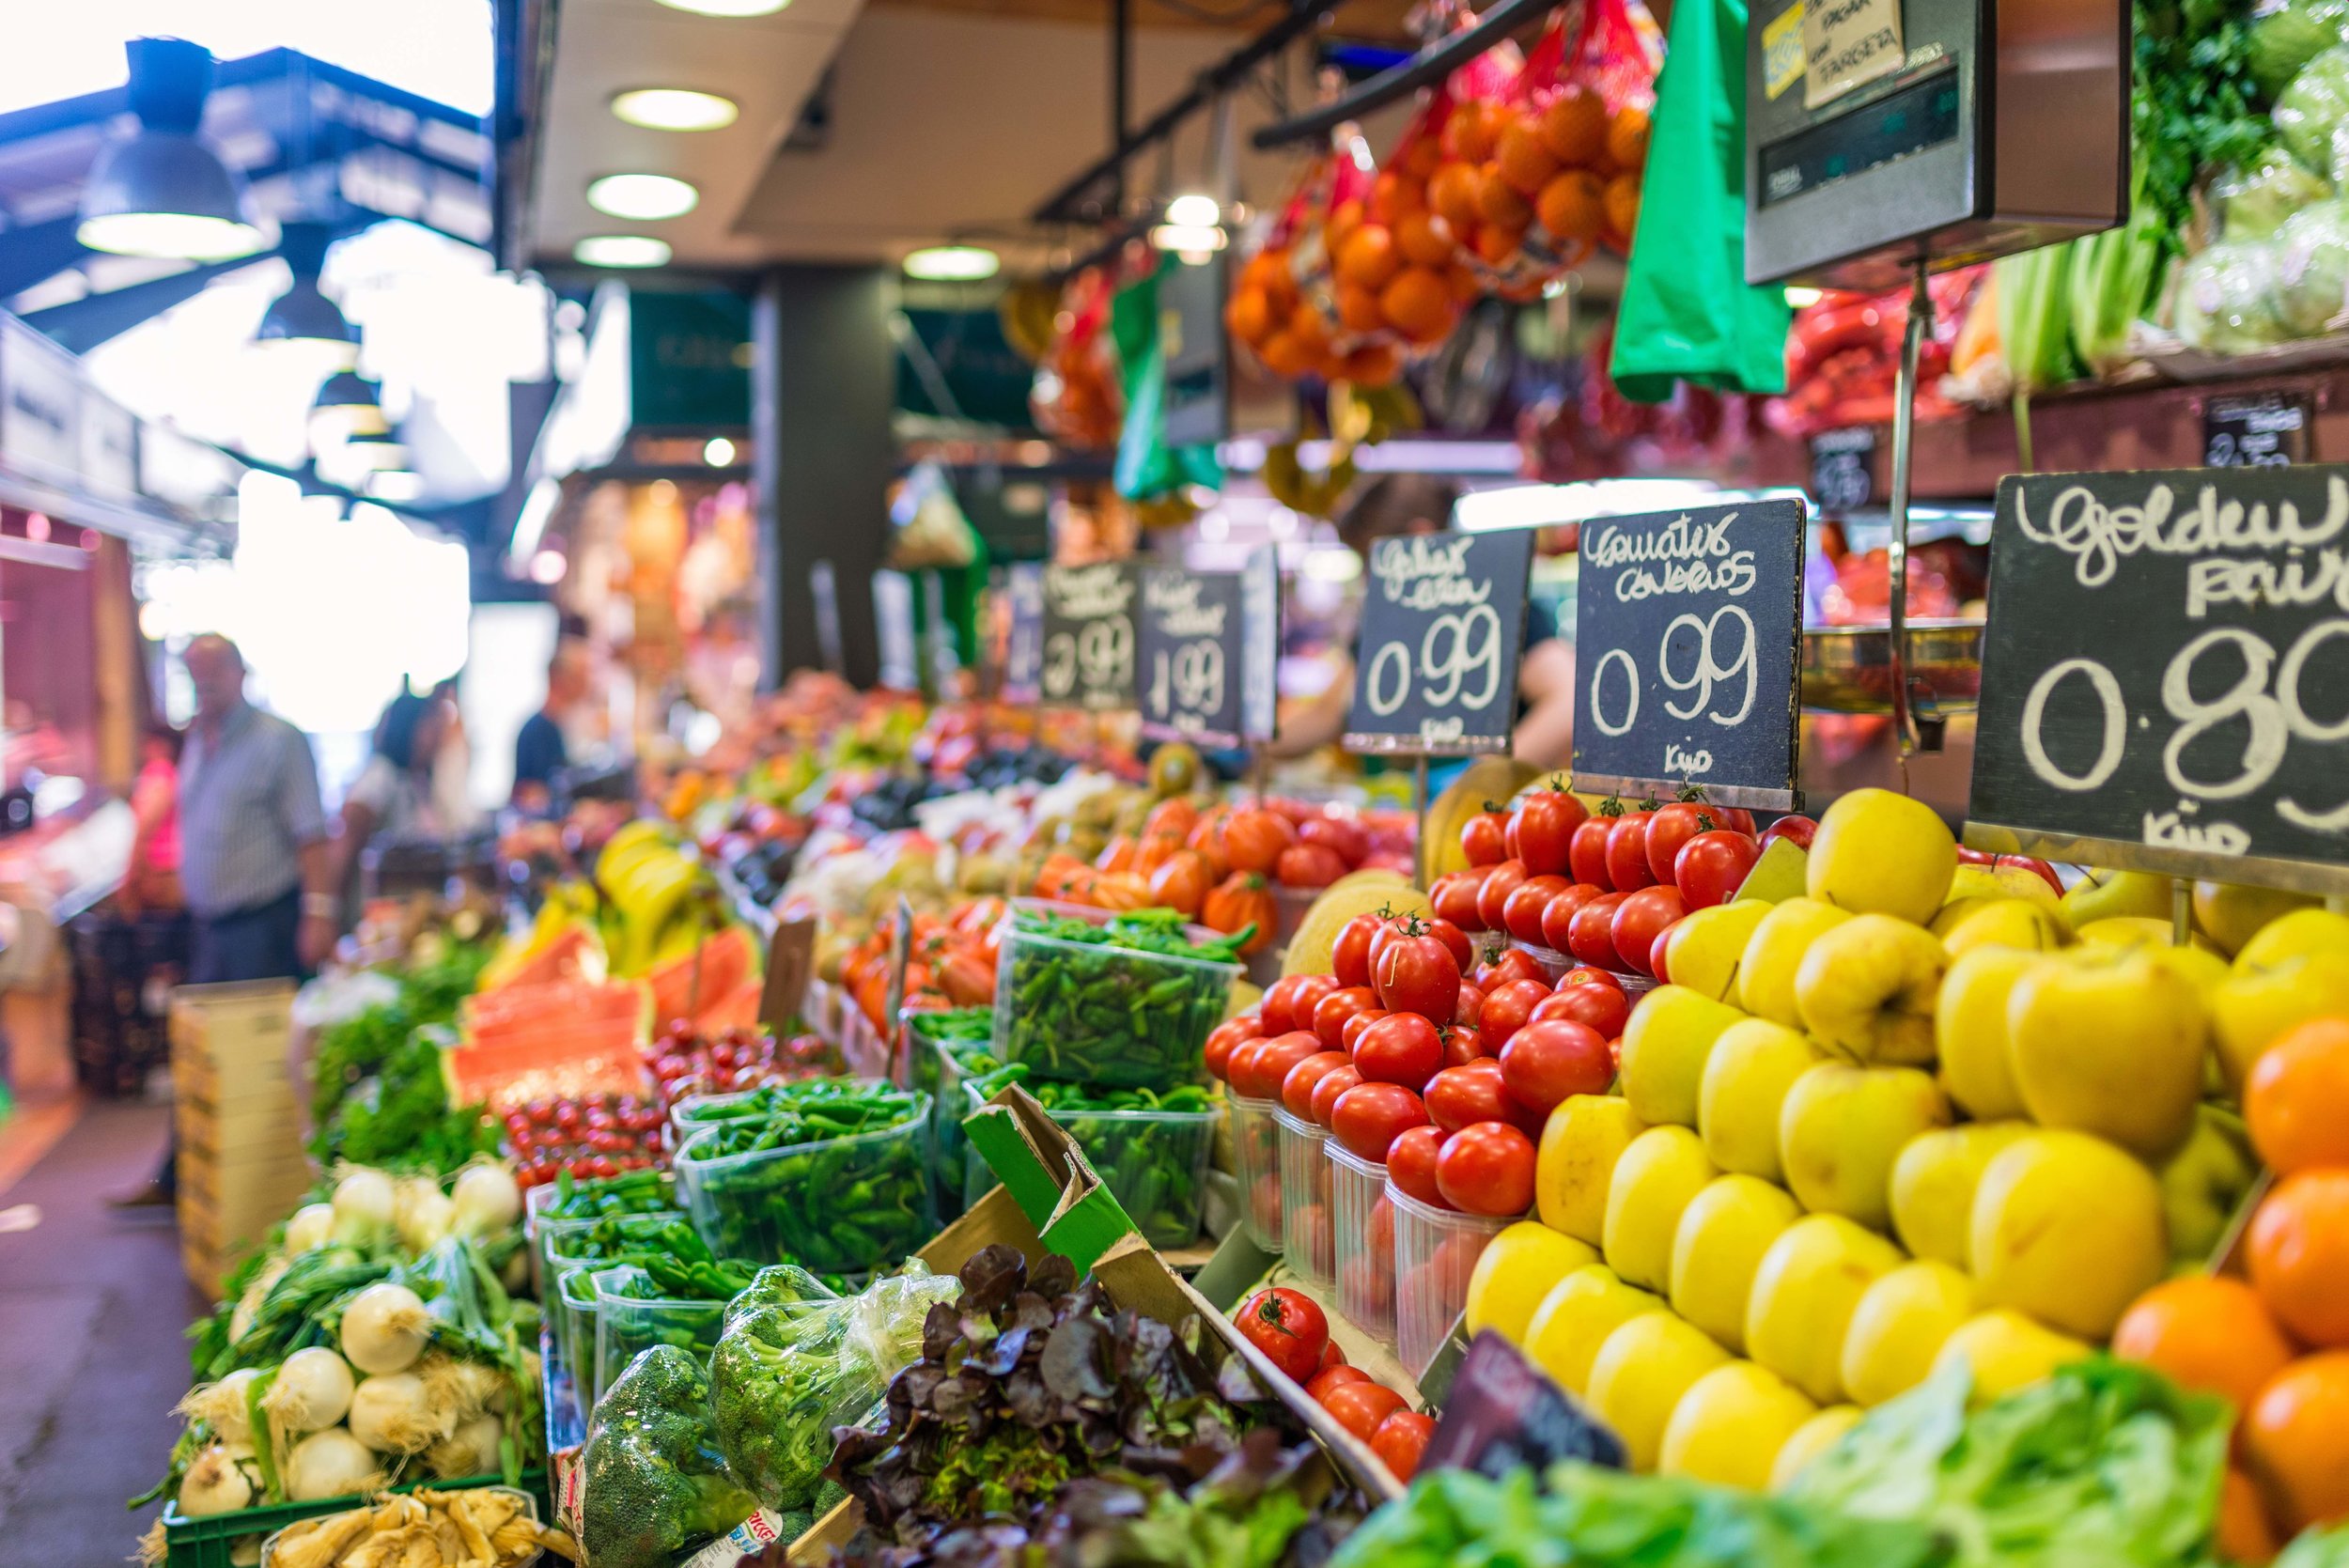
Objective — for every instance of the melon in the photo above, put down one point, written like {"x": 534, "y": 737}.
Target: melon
{"x": 736, "y": 1009}
{"x": 719, "y": 967}
{"x": 1364, "y": 892}
{"x": 574, "y": 954}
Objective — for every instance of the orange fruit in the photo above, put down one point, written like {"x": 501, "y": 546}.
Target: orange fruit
{"x": 1369, "y": 258}
{"x": 1451, "y": 192}
{"x": 1249, "y": 315}
{"x": 1465, "y": 286}
{"x": 1344, "y": 219}
{"x": 2296, "y": 1100}
{"x": 1626, "y": 138}
{"x": 1496, "y": 244}
{"x": 1421, "y": 159}
{"x": 1269, "y": 271}
{"x": 1358, "y": 308}
{"x": 2298, "y": 1246}
{"x": 1574, "y": 125}
{"x": 1520, "y": 156}
{"x": 2245, "y": 1536}
{"x": 1572, "y": 206}
{"x": 2209, "y": 1333}
{"x": 1424, "y": 239}
{"x": 1468, "y": 132}
{"x": 1621, "y": 202}
{"x": 2296, "y": 1442}
{"x": 1285, "y": 356}
{"x": 1374, "y": 365}
{"x": 1311, "y": 328}
{"x": 1500, "y": 202}
{"x": 1418, "y": 304}
{"x": 1392, "y": 195}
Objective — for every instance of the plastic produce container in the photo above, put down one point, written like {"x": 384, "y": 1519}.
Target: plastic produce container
{"x": 1256, "y": 1152}
{"x": 572, "y": 1321}
{"x": 1434, "y": 1252}
{"x": 1100, "y": 1014}
{"x": 546, "y": 1236}
{"x": 1554, "y": 963}
{"x": 1364, "y": 1242}
{"x": 835, "y": 1205}
{"x": 627, "y": 1322}
{"x": 224, "y": 1540}
{"x": 1305, "y": 1228}
{"x": 1154, "y": 1162}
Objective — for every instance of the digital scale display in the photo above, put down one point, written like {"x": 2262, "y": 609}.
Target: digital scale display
{"x": 1897, "y": 126}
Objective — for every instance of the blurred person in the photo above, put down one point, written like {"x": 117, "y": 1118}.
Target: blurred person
{"x": 540, "y": 751}
{"x": 396, "y": 796}
{"x": 151, "y": 884}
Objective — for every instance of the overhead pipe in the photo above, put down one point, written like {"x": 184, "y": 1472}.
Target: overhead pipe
{"x": 1431, "y": 64}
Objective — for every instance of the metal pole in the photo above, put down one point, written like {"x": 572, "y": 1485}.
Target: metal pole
{"x": 1903, "y": 420}
{"x": 1121, "y": 89}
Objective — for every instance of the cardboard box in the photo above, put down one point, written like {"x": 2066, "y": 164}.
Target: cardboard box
{"x": 241, "y": 1167}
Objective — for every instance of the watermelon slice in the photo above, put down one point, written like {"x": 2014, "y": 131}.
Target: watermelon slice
{"x": 684, "y": 987}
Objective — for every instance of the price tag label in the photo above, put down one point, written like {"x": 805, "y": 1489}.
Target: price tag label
{"x": 1023, "y": 649}
{"x": 1088, "y": 657}
{"x": 1194, "y": 655}
{"x": 2165, "y": 681}
{"x": 2259, "y": 429}
{"x": 1689, "y": 627}
{"x": 1442, "y": 624}
{"x": 1840, "y": 478}
{"x": 1502, "y": 1414}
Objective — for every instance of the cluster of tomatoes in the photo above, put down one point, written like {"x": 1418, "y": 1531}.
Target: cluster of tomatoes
{"x": 591, "y": 1135}
{"x": 1294, "y": 1335}
{"x": 950, "y": 962}
{"x": 685, "y": 1061}
{"x": 1603, "y": 890}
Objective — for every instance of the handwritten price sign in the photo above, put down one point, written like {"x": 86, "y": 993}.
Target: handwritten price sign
{"x": 1191, "y": 654}
{"x": 1089, "y": 636}
{"x": 1024, "y": 645}
{"x": 2166, "y": 676}
{"x": 1442, "y": 624}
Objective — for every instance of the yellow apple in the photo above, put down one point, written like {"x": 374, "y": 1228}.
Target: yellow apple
{"x": 1881, "y": 853}
{"x": 2253, "y": 1008}
{"x": 1643, "y": 1369}
{"x": 1515, "y": 1271}
{"x": 1765, "y": 974}
{"x": 1811, "y": 1439}
{"x": 2230, "y": 914}
{"x": 2204, "y": 1181}
{"x": 2007, "y": 1352}
{"x": 1975, "y": 880}
{"x": 2109, "y": 1042}
{"x": 1933, "y": 1180}
{"x": 2295, "y": 935}
{"x": 1777, "y": 876}
{"x": 2069, "y": 1228}
{"x": 1719, "y": 1244}
{"x": 1866, "y": 990}
{"x": 1575, "y": 1319}
{"x": 1730, "y": 1426}
{"x": 1664, "y": 1047}
{"x": 1809, "y": 1282}
{"x": 2004, "y": 922}
{"x": 1899, "y": 1326}
{"x": 1745, "y": 1079}
{"x": 1970, "y": 1029}
{"x": 2099, "y": 894}
{"x": 1583, "y": 1138}
{"x": 1705, "y": 945}
{"x": 1658, "y": 1177}
{"x": 2136, "y": 931}
{"x": 2197, "y": 963}
{"x": 1840, "y": 1128}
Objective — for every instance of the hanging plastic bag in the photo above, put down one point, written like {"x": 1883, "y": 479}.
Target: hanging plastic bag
{"x": 1147, "y": 467}
{"x": 928, "y": 527}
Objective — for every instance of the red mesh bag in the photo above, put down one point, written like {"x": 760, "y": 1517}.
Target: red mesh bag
{"x": 1285, "y": 306}
{"x": 1077, "y": 398}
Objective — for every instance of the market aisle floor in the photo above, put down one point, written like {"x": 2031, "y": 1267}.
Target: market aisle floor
{"x": 92, "y": 1357}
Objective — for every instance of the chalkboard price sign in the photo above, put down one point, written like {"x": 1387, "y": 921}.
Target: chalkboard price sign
{"x": 2165, "y": 674}
{"x": 2259, "y": 429}
{"x": 1840, "y": 476}
{"x": 1194, "y": 655}
{"x": 1689, "y": 641}
{"x": 1442, "y": 624}
{"x": 1089, "y": 636}
{"x": 1024, "y": 649}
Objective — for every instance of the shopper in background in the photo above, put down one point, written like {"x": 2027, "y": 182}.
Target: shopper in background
{"x": 151, "y": 884}
{"x": 395, "y": 798}
{"x": 540, "y": 750}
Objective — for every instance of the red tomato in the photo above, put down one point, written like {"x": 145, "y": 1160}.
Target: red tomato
{"x": 1336, "y": 1081}
{"x": 1549, "y": 1060}
{"x": 1487, "y": 1169}
{"x": 1253, "y": 838}
{"x": 1367, "y": 1118}
{"x": 1401, "y": 1047}
{"x": 1289, "y": 1329}
{"x": 1399, "y": 1441}
{"x": 1359, "y": 1407}
{"x": 1416, "y": 974}
{"x": 1603, "y": 1008}
{"x": 1586, "y": 975}
{"x": 1586, "y": 852}
{"x": 1269, "y": 1067}
{"x": 1226, "y": 1036}
{"x": 1521, "y": 911}
{"x": 1462, "y": 1096}
{"x": 1470, "y": 1003}
{"x": 1288, "y": 1003}
{"x": 1449, "y": 933}
{"x": 1798, "y": 831}
{"x": 1511, "y": 963}
{"x": 1671, "y": 826}
{"x": 1560, "y": 911}
{"x": 1483, "y": 838}
{"x": 1659, "y": 956}
{"x": 1588, "y": 937}
{"x": 1353, "y": 1027}
{"x": 1463, "y": 1043}
{"x": 1506, "y": 1010}
{"x": 1297, "y": 1089}
{"x": 1349, "y": 956}
{"x": 1240, "y": 1066}
{"x": 1493, "y": 897}
{"x": 1308, "y": 865}
{"x": 1333, "y": 1355}
{"x": 1411, "y": 1163}
{"x": 1735, "y": 819}
{"x": 1626, "y": 851}
{"x": 1336, "y": 1008}
{"x": 1639, "y": 919}
{"x": 1455, "y": 896}
{"x": 1338, "y": 1376}
{"x": 1711, "y": 867}
{"x": 1344, "y": 835}
{"x": 1547, "y": 820}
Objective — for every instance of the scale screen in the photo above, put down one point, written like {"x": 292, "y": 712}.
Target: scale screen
{"x": 1892, "y": 128}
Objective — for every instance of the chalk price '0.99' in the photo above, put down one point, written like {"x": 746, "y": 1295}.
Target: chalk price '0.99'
{"x": 1454, "y": 648}
{"x": 1700, "y": 677}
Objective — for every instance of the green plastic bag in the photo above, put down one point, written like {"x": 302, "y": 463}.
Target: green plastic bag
{"x": 1687, "y": 313}
{"x": 1146, "y": 466}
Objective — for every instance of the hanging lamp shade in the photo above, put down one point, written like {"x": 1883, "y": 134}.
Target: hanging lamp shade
{"x": 162, "y": 192}
{"x": 375, "y": 451}
{"x": 303, "y": 314}
{"x": 351, "y": 403}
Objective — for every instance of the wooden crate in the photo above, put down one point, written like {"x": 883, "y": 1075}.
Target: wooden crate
{"x": 241, "y": 1164}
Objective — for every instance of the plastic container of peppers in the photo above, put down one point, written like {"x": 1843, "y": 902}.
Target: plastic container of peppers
{"x": 574, "y": 1325}
{"x": 1434, "y": 1252}
{"x": 632, "y": 1315}
{"x": 1151, "y": 1150}
{"x": 841, "y": 1202}
{"x": 949, "y": 1050}
{"x": 655, "y": 1190}
{"x": 1095, "y": 1011}
{"x": 1365, "y": 1246}
{"x": 1256, "y": 1152}
{"x": 1305, "y": 1229}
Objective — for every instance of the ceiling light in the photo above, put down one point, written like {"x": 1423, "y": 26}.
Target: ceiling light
{"x": 952, "y": 264}
{"x": 641, "y": 198}
{"x": 673, "y": 109}
{"x": 162, "y": 193}
{"x": 1194, "y": 211}
{"x": 351, "y": 405}
{"x": 727, "y": 7}
{"x": 1194, "y": 243}
{"x": 546, "y": 567}
{"x": 394, "y": 484}
{"x": 621, "y": 249}
{"x": 718, "y": 452}
{"x": 303, "y": 314}
{"x": 376, "y": 453}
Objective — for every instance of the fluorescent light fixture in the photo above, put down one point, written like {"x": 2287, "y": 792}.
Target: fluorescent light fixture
{"x": 727, "y": 7}
{"x": 1801, "y": 297}
{"x": 1194, "y": 211}
{"x": 953, "y": 264}
{"x": 621, "y": 249}
{"x": 674, "y": 109}
{"x": 1194, "y": 243}
{"x": 641, "y": 198}
{"x": 1245, "y": 455}
{"x": 162, "y": 193}
{"x": 718, "y": 452}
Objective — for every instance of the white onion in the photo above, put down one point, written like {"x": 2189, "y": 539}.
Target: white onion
{"x": 364, "y": 1206}
{"x": 329, "y": 1464}
{"x": 312, "y": 1225}
{"x": 223, "y": 1405}
{"x": 487, "y": 1200}
{"x": 312, "y": 1391}
{"x": 250, "y": 1302}
{"x": 384, "y": 1328}
{"x": 391, "y": 1414}
{"x": 420, "y": 1212}
{"x": 215, "y": 1483}
{"x": 470, "y": 1449}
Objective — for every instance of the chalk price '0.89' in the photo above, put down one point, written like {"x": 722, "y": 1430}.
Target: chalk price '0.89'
{"x": 1100, "y": 651}
{"x": 1454, "y": 648}
{"x": 1707, "y": 671}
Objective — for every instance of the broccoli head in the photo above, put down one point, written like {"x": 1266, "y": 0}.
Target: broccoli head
{"x": 654, "y": 1484}
{"x": 779, "y": 1380}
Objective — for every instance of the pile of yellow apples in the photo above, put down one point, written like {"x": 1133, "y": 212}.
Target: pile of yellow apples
{"x": 1920, "y": 1110}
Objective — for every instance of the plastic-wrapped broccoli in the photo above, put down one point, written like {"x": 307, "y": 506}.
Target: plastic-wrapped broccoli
{"x": 655, "y": 1484}
{"x": 2312, "y": 113}
{"x": 2254, "y": 201}
{"x": 2226, "y": 298}
{"x": 2287, "y": 36}
{"x": 779, "y": 1284}
{"x": 2312, "y": 268}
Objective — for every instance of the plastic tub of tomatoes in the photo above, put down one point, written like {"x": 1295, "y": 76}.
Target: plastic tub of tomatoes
{"x": 1115, "y": 1000}
{"x": 1256, "y": 1152}
{"x": 1365, "y": 1243}
{"x": 1434, "y": 1252}
{"x": 1307, "y": 1237}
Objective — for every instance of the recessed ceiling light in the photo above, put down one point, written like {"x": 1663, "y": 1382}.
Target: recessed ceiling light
{"x": 673, "y": 109}
{"x": 641, "y": 198}
{"x": 621, "y": 249}
{"x": 718, "y": 452}
{"x": 727, "y": 7}
{"x": 1194, "y": 211}
{"x": 952, "y": 263}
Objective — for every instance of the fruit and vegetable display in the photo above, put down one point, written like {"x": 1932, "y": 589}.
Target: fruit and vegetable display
{"x": 1124, "y": 1001}
{"x": 1151, "y": 1149}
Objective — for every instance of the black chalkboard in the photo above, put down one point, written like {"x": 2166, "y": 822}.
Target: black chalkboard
{"x": 1504, "y": 1414}
{"x": 1689, "y": 651}
{"x": 2165, "y": 681}
{"x": 1023, "y": 647}
{"x": 2256, "y": 429}
{"x": 1842, "y": 479}
{"x": 1194, "y": 655}
{"x": 1089, "y": 636}
{"x": 1443, "y": 621}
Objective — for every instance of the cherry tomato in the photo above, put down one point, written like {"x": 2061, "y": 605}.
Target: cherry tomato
{"x": 1288, "y": 1003}
{"x": 1589, "y": 937}
{"x": 1401, "y": 1047}
{"x": 1288, "y": 1327}
{"x": 1349, "y": 956}
{"x": 1586, "y": 852}
{"x": 1359, "y": 1407}
{"x": 1602, "y": 1008}
{"x": 1269, "y": 1067}
{"x": 1513, "y": 964}
{"x": 1399, "y": 1441}
{"x": 1343, "y": 836}
{"x": 1336, "y": 1081}
{"x": 1671, "y": 826}
{"x": 1626, "y": 851}
{"x": 1225, "y": 1036}
{"x": 1560, "y": 911}
{"x": 1486, "y": 1168}
{"x": 1352, "y": 1030}
{"x": 1338, "y": 1376}
{"x": 1549, "y": 1060}
{"x": 1411, "y": 1163}
{"x": 1639, "y": 919}
{"x": 1455, "y": 896}
{"x": 1449, "y": 933}
{"x": 1336, "y": 1008}
{"x": 1470, "y": 1003}
{"x": 1711, "y": 867}
{"x": 1483, "y": 838}
{"x": 1463, "y": 1043}
{"x": 1521, "y": 911}
{"x": 1416, "y": 974}
{"x": 1547, "y": 820}
{"x": 1500, "y": 882}
{"x": 1368, "y": 1117}
{"x": 1796, "y": 829}
{"x": 1297, "y": 1089}
{"x": 1508, "y": 1008}
{"x": 1462, "y": 1096}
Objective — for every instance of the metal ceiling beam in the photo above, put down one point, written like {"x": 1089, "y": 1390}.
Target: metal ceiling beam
{"x": 81, "y": 325}
{"x": 1421, "y": 70}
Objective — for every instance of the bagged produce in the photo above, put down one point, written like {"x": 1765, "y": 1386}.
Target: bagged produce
{"x": 2254, "y": 201}
{"x": 2287, "y": 36}
{"x": 2311, "y": 255}
{"x": 655, "y": 1483}
{"x": 2227, "y": 298}
{"x": 2312, "y": 113}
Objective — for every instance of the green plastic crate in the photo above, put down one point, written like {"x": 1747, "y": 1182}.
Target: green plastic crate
{"x": 206, "y": 1542}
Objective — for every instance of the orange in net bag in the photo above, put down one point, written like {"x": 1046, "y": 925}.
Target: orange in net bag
{"x": 1288, "y": 304}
